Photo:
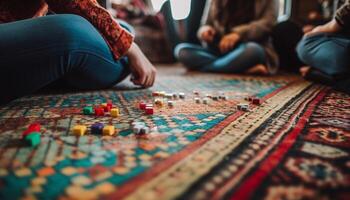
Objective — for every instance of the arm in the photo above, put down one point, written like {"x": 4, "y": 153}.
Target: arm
{"x": 118, "y": 39}
{"x": 262, "y": 27}
{"x": 343, "y": 15}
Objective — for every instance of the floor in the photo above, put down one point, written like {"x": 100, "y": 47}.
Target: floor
{"x": 294, "y": 145}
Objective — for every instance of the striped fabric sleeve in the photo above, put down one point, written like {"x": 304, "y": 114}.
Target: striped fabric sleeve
{"x": 343, "y": 15}
{"x": 118, "y": 39}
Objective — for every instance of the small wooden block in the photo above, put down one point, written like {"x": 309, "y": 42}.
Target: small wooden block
{"x": 79, "y": 130}
{"x": 35, "y": 127}
{"x": 33, "y": 139}
{"x": 256, "y": 101}
{"x": 99, "y": 111}
{"x": 97, "y": 128}
{"x": 88, "y": 110}
{"x": 142, "y": 105}
{"x": 115, "y": 112}
{"x": 149, "y": 111}
{"x": 108, "y": 130}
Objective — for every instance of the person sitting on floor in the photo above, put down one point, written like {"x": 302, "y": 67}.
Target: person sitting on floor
{"x": 326, "y": 49}
{"x": 82, "y": 46}
{"x": 236, "y": 38}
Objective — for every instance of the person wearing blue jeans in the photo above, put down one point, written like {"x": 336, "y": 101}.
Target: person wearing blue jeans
{"x": 326, "y": 51}
{"x": 235, "y": 37}
{"x": 66, "y": 48}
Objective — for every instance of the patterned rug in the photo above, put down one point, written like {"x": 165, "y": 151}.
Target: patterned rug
{"x": 295, "y": 145}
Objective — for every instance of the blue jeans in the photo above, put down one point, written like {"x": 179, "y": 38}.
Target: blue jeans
{"x": 243, "y": 57}
{"x": 328, "y": 55}
{"x": 67, "y": 48}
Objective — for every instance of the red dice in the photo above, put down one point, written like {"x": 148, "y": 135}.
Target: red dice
{"x": 149, "y": 111}
{"x": 142, "y": 106}
{"x": 256, "y": 101}
{"x": 99, "y": 111}
{"x": 35, "y": 127}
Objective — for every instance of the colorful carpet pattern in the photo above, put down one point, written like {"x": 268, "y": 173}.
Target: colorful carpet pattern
{"x": 296, "y": 145}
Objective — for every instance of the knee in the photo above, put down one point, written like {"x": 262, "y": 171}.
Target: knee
{"x": 181, "y": 51}
{"x": 73, "y": 31}
{"x": 255, "y": 51}
{"x": 302, "y": 50}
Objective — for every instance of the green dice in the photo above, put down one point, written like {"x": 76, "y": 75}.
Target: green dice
{"x": 88, "y": 110}
{"x": 33, "y": 139}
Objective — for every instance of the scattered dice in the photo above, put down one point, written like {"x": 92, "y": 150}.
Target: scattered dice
{"x": 97, "y": 128}
{"x": 256, "y": 101}
{"x": 206, "y": 100}
{"x": 108, "y": 130}
{"x": 243, "y": 107}
{"x": 99, "y": 111}
{"x": 171, "y": 104}
{"x": 79, "y": 130}
{"x": 182, "y": 95}
{"x": 115, "y": 112}
{"x": 88, "y": 110}
{"x": 197, "y": 100}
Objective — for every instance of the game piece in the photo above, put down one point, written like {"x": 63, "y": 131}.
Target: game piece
{"x": 149, "y": 111}
{"x": 106, "y": 107}
{"x": 142, "y": 105}
{"x": 170, "y": 103}
{"x": 137, "y": 129}
{"x": 175, "y": 96}
{"x": 155, "y": 94}
{"x": 224, "y": 98}
{"x": 205, "y": 100}
{"x": 34, "y": 127}
{"x": 110, "y": 104}
{"x": 79, "y": 130}
{"x": 97, "y": 128}
{"x": 197, "y": 100}
{"x": 256, "y": 101}
{"x": 159, "y": 102}
{"x": 215, "y": 98}
{"x": 182, "y": 95}
{"x": 161, "y": 94}
{"x": 243, "y": 107}
{"x": 33, "y": 139}
{"x": 144, "y": 130}
{"x": 115, "y": 112}
{"x": 99, "y": 111}
{"x": 108, "y": 130}
{"x": 88, "y": 110}
{"x": 169, "y": 96}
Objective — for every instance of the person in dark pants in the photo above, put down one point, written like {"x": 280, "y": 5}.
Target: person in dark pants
{"x": 326, "y": 51}
{"x": 82, "y": 46}
{"x": 236, "y": 38}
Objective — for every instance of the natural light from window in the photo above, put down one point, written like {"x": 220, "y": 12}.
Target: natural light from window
{"x": 179, "y": 8}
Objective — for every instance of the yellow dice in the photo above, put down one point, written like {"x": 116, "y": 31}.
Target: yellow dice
{"x": 108, "y": 130}
{"x": 79, "y": 130}
{"x": 115, "y": 112}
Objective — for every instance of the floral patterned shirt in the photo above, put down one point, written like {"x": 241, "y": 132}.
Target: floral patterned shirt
{"x": 118, "y": 39}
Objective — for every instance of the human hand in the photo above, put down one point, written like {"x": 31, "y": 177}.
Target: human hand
{"x": 144, "y": 73}
{"x": 330, "y": 27}
{"x": 206, "y": 33}
{"x": 228, "y": 42}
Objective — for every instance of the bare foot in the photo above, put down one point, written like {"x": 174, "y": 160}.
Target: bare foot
{"x": 259, "y": 69}
{"x": 304, "y": 70}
